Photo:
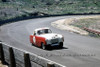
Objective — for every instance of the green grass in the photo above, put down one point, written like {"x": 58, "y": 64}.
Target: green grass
{"x": 50, "y": 7}
{"x": 86, "y": 22}
{"x": 91, "y": 23}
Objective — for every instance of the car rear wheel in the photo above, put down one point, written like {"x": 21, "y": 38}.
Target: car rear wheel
{"x": 32, "y": 44}
{"x": 43, "y": 46}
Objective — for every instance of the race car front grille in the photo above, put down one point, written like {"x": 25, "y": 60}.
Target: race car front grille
{"x": 53, "y": 41}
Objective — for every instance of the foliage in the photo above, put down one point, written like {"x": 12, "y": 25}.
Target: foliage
{"x": 49, "y": 7}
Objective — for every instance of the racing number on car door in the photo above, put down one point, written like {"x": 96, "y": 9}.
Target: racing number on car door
{"x": 34, "y": 39}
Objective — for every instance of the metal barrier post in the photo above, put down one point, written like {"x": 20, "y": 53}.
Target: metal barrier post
{"x": 12, "y": 58}
{"x": 27, "y": 60}
{"x": 50, "y": 64}
{"x": 2, "y": 54}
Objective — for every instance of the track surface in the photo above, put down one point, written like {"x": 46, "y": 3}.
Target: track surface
{"x": 78, "y": 51}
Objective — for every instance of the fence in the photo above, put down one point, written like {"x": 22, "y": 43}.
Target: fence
{"x": 21, "y": 58}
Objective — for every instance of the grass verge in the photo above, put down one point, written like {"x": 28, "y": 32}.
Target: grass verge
{"x": 90, "y": 23}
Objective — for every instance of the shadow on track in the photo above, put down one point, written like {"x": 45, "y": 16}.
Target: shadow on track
{"x": 58, "y": 48}
{"x": 52, "y": 48}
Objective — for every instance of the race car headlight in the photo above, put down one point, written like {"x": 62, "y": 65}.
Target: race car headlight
{"x": 48, "y": 41}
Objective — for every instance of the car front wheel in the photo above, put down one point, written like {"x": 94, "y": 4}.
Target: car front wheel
{"x": 43, "y": 46}
{"x": 61, "y": 44}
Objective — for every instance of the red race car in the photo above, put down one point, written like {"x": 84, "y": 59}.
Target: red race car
{"x": 44, "y": 38}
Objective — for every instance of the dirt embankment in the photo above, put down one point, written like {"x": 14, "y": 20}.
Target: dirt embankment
{"x": 67, "y": 24}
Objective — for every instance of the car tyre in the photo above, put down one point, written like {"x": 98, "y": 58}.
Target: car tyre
{"x": 49, "y": 47}
{"x": 43, "y": 46}
{"x": 32, "y": 44}
{"x": 61, "y": 45}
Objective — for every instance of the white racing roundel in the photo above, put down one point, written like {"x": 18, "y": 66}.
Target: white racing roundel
{"x": 34, "y": 39}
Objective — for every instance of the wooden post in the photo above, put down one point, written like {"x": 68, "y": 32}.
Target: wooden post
{"x": 27, "y": 60}
{"x": 50, "y": 64}
{"x": 2, "y": 54}
{"x": 12, "y": 58}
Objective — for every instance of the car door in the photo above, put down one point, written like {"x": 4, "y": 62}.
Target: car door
{"x": 36, "y": 39}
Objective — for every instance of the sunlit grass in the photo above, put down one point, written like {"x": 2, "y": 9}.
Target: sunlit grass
{"x": 51, "y": 7}
{"x": 90, "y": 23}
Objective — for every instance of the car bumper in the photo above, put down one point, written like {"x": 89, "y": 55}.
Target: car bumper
{"x": 57, "y": 44}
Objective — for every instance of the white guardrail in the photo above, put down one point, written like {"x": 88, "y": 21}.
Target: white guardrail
{"x": 20, "y": 58}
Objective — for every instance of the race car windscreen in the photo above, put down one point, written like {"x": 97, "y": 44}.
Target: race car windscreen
{"x": 44, "y": 31}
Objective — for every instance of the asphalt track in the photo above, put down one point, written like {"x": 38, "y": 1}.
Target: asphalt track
{"x": 78, "y": 50}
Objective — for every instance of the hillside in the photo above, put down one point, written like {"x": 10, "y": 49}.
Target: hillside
{"x": 22, "y": 8}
